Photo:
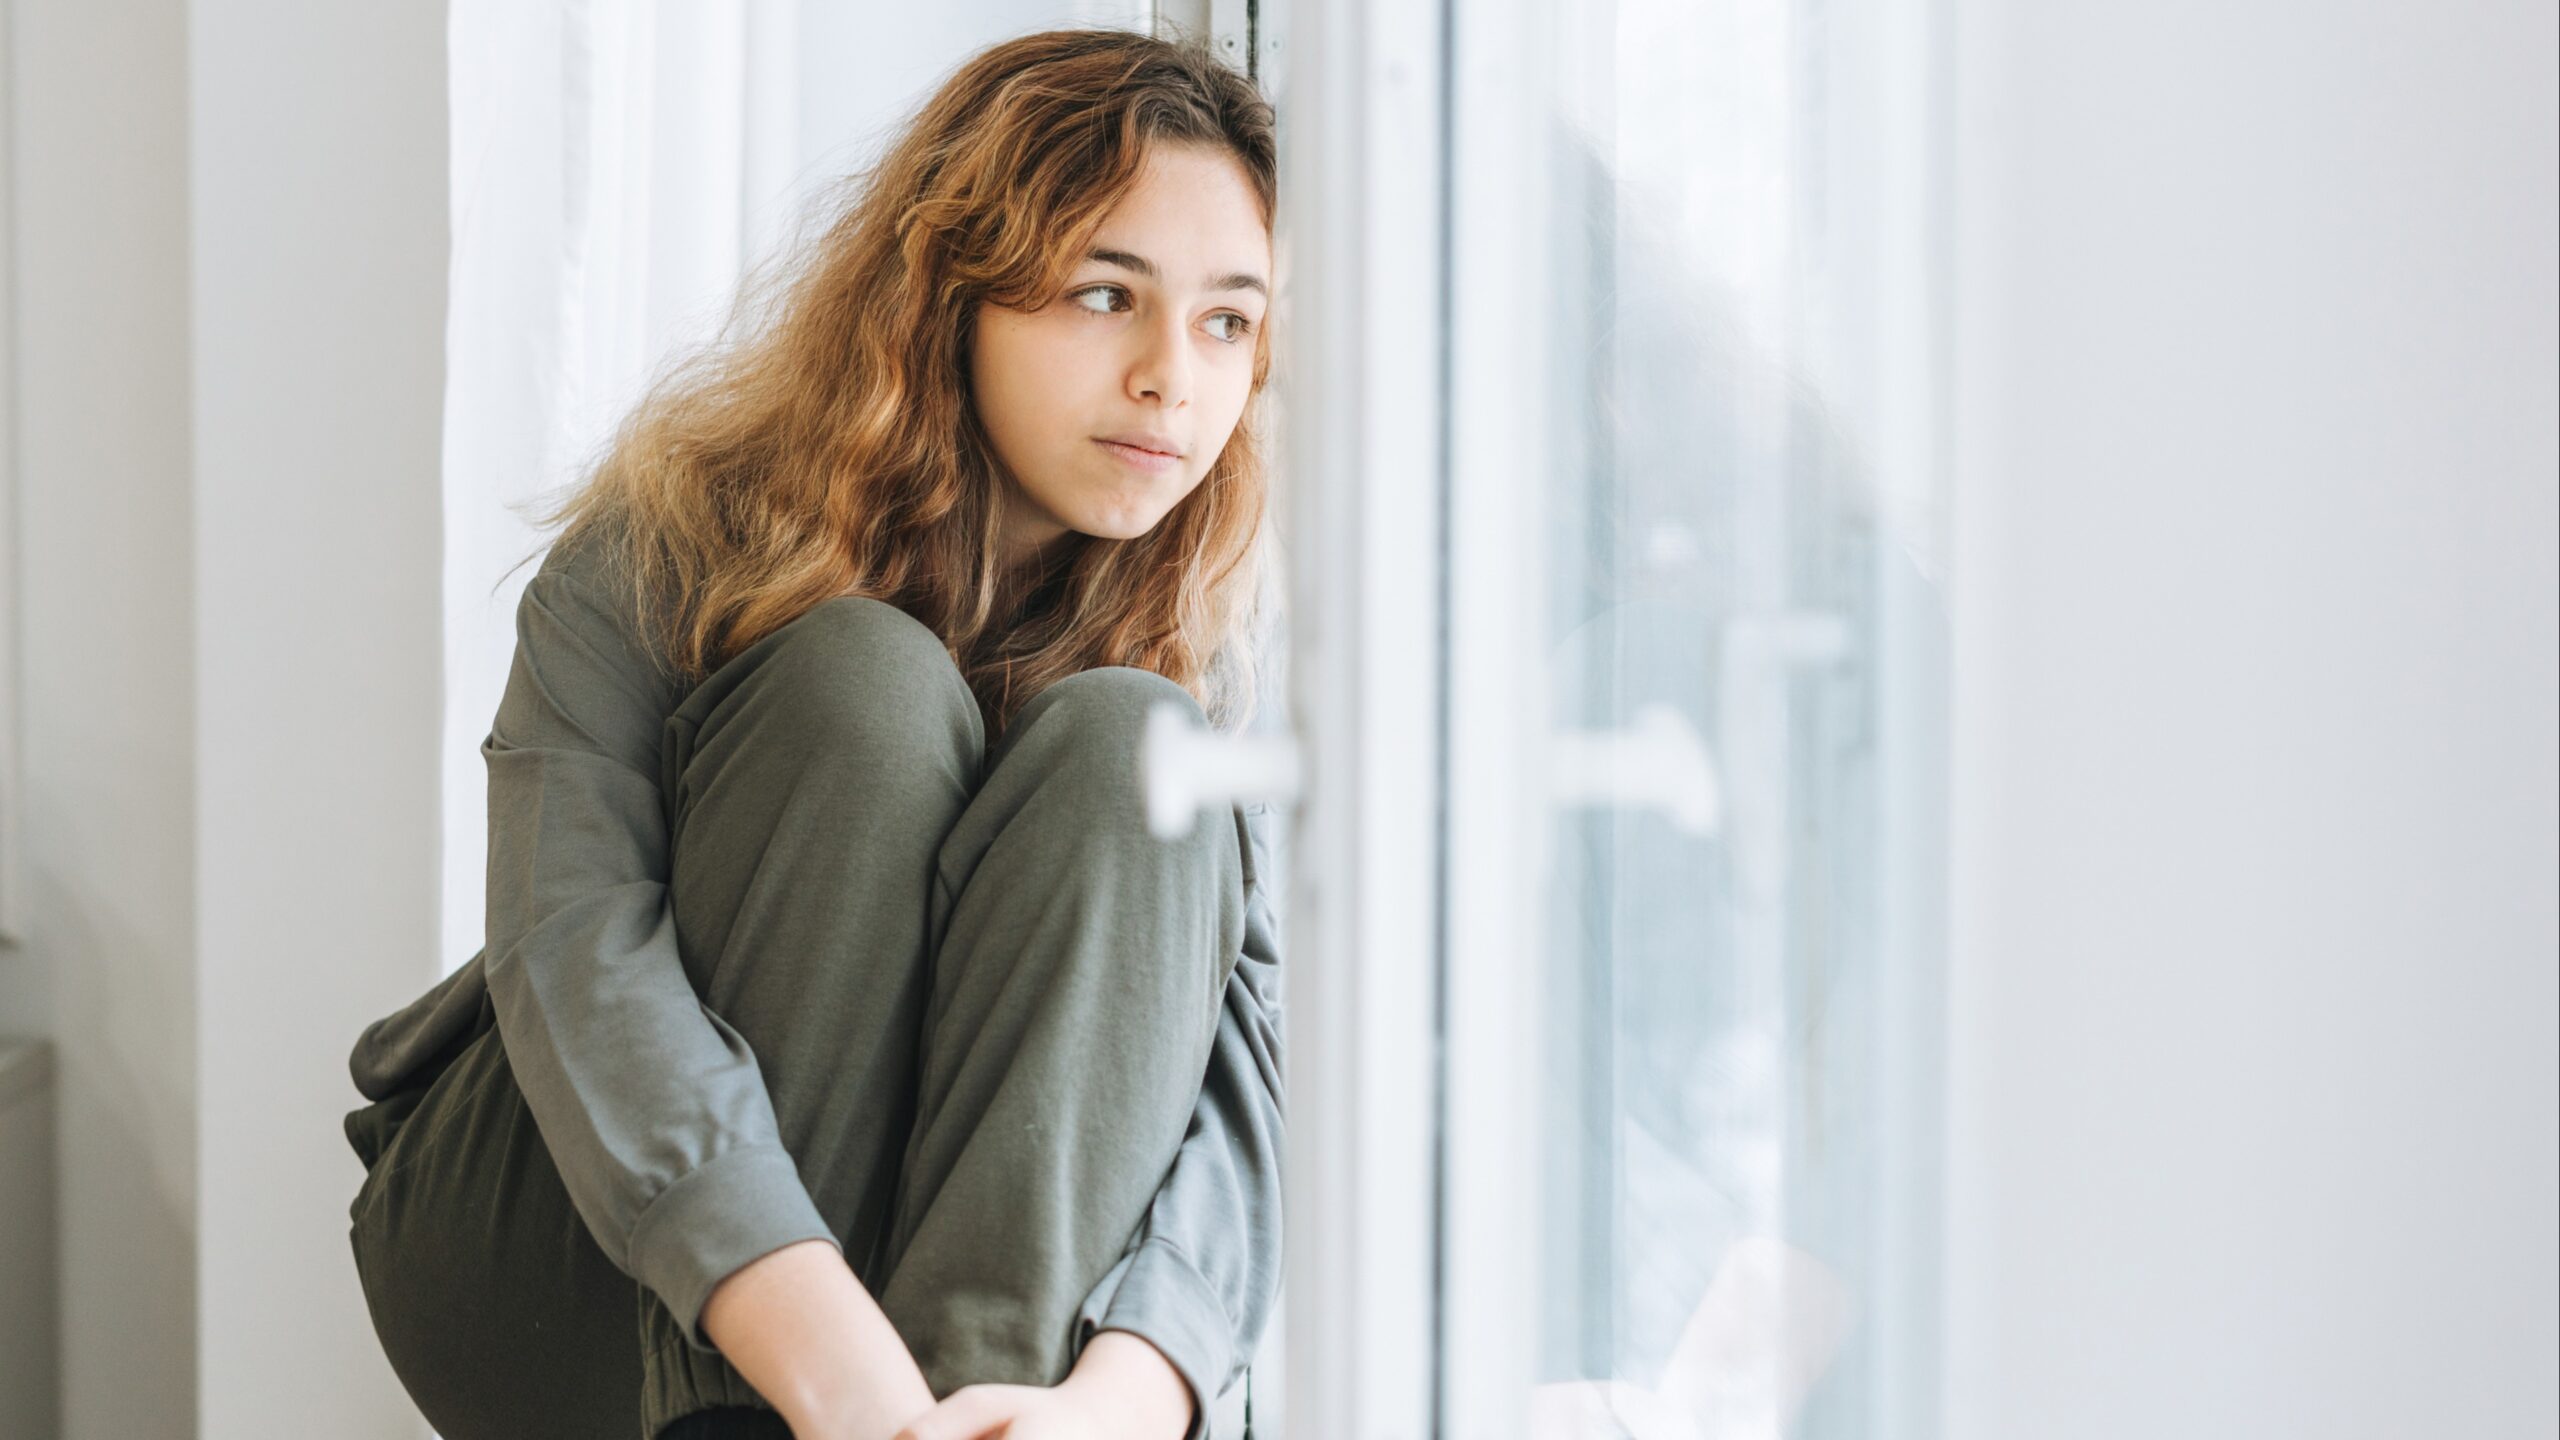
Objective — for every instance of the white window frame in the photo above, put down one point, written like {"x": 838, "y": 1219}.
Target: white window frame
{"x": 1360, "y": 252}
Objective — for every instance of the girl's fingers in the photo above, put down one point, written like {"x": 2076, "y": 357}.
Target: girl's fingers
{"x": 972, "y": 1412}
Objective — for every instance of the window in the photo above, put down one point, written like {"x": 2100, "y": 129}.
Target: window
{"x": 1617, "y": 533}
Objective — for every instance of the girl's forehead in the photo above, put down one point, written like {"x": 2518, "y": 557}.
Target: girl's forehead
{"x": 1189, "y": 181}
{"x": 1191, "y": 217}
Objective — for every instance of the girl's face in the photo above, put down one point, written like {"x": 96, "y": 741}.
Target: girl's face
{"x": 1107, "y": 403}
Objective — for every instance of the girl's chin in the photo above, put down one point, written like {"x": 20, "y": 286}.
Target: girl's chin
{"x": 1099, "y": 531}
{"x": 1115, "y": 524}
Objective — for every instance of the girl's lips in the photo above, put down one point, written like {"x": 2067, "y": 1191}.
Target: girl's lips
{"x": 1141, "y": 459}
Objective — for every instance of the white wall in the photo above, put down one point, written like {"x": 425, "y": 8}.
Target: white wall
{"x": 229, "y": 240}
{"x": 320, "y": 241}
{"x": 107, "y": 687}
{"x": 2253, "y": 1100}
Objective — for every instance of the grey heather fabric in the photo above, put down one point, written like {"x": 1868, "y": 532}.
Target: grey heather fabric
{"x": 795, "y": 954}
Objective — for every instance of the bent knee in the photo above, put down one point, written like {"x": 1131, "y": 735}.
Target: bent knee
{"x": 862, "y": 635}
{"x": 1105, "y": 709}
{"x": 1089, "y": 730}
{"x": 864, "y": 673}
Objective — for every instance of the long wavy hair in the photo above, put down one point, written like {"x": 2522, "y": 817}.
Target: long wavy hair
{"x": 825, "y": 444}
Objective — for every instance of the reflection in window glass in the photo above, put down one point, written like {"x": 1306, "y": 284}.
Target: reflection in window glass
{"x": 1737, "y": 1006}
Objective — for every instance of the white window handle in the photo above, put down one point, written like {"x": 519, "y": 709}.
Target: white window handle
{"x": 1184, "y": 769}
{"x": 1657, "y": 763}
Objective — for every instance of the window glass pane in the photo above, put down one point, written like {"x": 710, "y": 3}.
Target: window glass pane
{"x": 1737, "y": 1012}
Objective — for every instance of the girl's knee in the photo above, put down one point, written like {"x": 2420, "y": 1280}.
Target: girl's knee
{"x": 1092, "y": 726}
{"x": 861, "y": 673}
{"x": 861, "y": 636}
{"x": 1107, "y": 706}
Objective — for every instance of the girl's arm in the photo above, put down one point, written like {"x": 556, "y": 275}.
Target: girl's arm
{"x": 859, "y": 1383}
{"x": 651, "y": 1105}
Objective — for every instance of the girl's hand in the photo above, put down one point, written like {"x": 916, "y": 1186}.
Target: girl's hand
{"x": 1122, "y": 1389}
{"x": 1010, "y": 1412}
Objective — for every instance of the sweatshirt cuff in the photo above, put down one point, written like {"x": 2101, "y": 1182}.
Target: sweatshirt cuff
{"x": 1157, "y": 1294}
{"x": 715, "y": 1218}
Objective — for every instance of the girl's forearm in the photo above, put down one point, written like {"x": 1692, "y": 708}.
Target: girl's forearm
{"x": 799, "y": 1325}
{"x": 1143, "y": 1390}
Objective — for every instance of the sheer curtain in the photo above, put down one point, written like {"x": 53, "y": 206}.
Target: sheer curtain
{"x": 613, "y": 165}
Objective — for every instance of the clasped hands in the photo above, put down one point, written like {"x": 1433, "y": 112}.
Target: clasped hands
{"x": 802, "y": 1329}
{"x": 1121, "y": 1387}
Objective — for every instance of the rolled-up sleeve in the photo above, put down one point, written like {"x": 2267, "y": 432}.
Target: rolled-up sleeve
{"x": 652, "y": 1106}
{"x": 1200, "y": 1275}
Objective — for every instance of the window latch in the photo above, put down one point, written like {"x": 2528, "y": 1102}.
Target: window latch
{"x": 1658, "y": 762}
{"x": 1184, "y": 769}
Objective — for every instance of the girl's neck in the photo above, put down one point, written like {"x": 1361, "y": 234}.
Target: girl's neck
{"x": 1026, "y": 571}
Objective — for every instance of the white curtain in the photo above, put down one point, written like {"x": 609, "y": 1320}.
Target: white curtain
{"x": 606, "y": 160}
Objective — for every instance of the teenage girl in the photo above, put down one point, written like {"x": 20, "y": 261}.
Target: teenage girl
{"x": 846, "y": 1058}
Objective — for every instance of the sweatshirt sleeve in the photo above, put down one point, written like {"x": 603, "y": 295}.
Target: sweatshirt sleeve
{"x": 1200, "y": 1275}
{"x": 652, "y": 1106}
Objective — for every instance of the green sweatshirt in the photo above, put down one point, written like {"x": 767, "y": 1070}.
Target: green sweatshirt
{"x": 653, "y": 1108}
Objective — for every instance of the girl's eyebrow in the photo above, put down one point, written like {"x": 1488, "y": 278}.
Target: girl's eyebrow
{"x": 1238, "y": 280}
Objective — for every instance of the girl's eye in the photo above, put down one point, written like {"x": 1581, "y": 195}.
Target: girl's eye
{"x": 1079, "y": 295}
{"x": 1240, "y": 328}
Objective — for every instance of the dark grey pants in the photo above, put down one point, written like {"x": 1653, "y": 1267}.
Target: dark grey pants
{"x": 981, "y": 994}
